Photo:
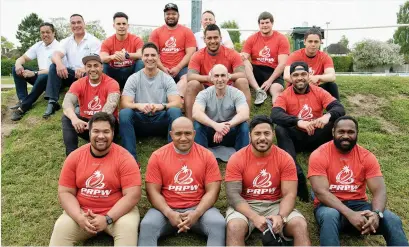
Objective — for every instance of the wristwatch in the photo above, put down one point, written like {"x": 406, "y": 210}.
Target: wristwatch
{"x": 379, "y": 213}
{"x": 35, "y": 73}
{"x": 127, "y": 56}
{"x": 109, "y": 220}
{"x": 165, "y": 106}
{"x": 285, "y": 220}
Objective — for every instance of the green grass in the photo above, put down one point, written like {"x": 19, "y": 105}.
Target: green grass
{"x": 7, "y": 80}
{"x": 34, "y": 153}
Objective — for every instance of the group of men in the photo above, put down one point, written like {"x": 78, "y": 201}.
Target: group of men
{"x": 100, "y": 183}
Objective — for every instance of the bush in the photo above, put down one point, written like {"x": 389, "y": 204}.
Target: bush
{"x": 343, "y": 63}
{"x": 7, "y": 65}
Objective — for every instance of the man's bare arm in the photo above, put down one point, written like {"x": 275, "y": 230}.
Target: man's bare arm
{"x": 174, "y": 101}
{"x": 112, "y": 103}
{"x": 69, "y": 202}
{"x": 376, "y": 186}
{"x": 185, "y": 61}
{"x": 200, "y": 115}
{"x": 236, "y": 201}
{"x": 243, "y": 114}
{"x": 194, "y": 75}
{"x": 68, "y": 105}
{"x": 209, "y": 198}
{"x": 157, "y": 200}
{"x": 289, "y": 195}
{"x": 328, "y": 76}
{"x": 282, "y": 59}
{"x": 129, "y": 200}
{"x": 238, "y": 73}
{"x": 287, "y": 76}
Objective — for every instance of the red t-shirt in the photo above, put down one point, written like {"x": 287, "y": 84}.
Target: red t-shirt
{"x": 92, "y": 99}
{"x": 131, "y": 44}
{"x": 316, "y": 64}
{"x": 99, "y": 181}
{"x": 172, "y": 43}
{"x": 261, "y": 177}
{"x": 264, "y": 50}
{"x": 183, "y": 177}
{"x": 203, "y": 62}
{"x": 346, "y": 173}
{"x": 307, "y": 106}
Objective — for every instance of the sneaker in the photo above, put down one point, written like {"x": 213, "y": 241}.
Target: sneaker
{"x": 17, "y": 114}
{"x": 261, "y": 96}
{"x": 15, "y": 107}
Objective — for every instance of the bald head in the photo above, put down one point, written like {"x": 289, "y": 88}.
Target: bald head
{"x": 218, "y": 69}
{"x": 219, "y": 75}
{"x": 182, "y": 122}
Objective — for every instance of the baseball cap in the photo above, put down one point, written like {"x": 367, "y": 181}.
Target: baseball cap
{"x": 90, "y": 57}
{"x": 296, "y": 64}
{"x": 171, "y": 6}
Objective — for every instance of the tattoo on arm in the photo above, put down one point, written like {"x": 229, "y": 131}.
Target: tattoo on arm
{"x": 112, "y": 103}
{"x": 239, "y": 69}
{"x": 233, "y": 192}
{"x": 192, "y": 71}
{"x": 70, "y": 100}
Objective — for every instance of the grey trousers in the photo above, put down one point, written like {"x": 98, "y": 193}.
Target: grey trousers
{"x": 155, "y": 225}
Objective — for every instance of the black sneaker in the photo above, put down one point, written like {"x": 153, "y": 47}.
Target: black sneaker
{"x": 51, "y": 109}
{"x": 17, "y": 114}
{"x": 15, "y": 107}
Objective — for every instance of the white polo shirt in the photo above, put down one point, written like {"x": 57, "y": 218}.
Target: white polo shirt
{"x": 200, "y": 38}
{"x": 74, "y": 52}
{"x": 43, "y": 53}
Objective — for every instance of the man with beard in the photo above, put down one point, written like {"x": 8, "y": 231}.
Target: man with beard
{"x": 72, "y": 49}
{"x": 261, "y": 185}
{"x": 268, "y": 51}
{"x": 301, "y": 125}
{"x": 204, "y": 60}
{"x": 221, "y": 113}
{"x": 339, "y": 172}
{"x": 94, "y": 93}
{"x": 99, "y": 189}
{"x": 121, "y": 53}
{"x": 176, "y": 45}
{"x": 183, "y": 183}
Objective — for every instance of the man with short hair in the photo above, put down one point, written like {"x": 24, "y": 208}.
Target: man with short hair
{"x": 94, "y": 93}
{"x": 301, "y": 125}
{"x": 339, "y": 172}
{"x": 121, "y": 53}
{"x": 208, "y": 17}
{"x": 221, "y": 113}
{"x": 204, "y": 60}
{"x": 176, "y": 45}
{"x": 321, "y": 66}
{"x": 183, "y": 183}
{"x": 72, "y": 49}
{"x": 41, "y": 51}
{"x": 99, "y": 188}
{"x": 261, "y": 185}
{"x": 150, "y": 101}
{"x": 268, "y": 51}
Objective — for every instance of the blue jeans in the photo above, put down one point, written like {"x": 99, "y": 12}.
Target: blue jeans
{"x": 331, "y": 222}
{"x": 238, "y": 136}
{"x": 134, "y": 123}
{"x": 121, "y": 74}
{"x": 54, "y": 83}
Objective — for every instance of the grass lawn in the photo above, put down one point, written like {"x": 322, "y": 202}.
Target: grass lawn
{"x": 34, "y": 152}
{"x": 7, "y": 80}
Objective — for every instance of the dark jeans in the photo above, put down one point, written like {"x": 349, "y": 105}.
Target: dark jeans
{"x": 121, "y": 74}
{"x": 54, "y": 83}
{"x": 331, "y": 222}
{"x": 238, "y": 136}
{"x": 332, "y": 88}
{"x": 134, "y": 123}
{"x": 181, "y": 73}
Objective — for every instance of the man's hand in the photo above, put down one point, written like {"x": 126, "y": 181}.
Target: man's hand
{"x": 79, "y": 125}
{"x": 357, "y": 220}
{"x": 278, "y": 223}
{"x": 313, "y": 80}
{"x": 266, "y": 85}
{"x": 166, "y": 70}
{"x": 19, "y": 69}
{"x": 118, "y": 56}
{"x": 372, "y": 224}
{"x": 157, "y": 107}
{"x": 79, "y": 73}
{"x": 307, "y": 126}
{"x": 217, "y": 138}
{"x": 189, "y": 218}
{"x": 322, "y": 121}
{"x": 174, "y": 71}
{"x": 28, "y": 73}
{"x": 145, "y": 108}
{"x": 62, "y": 71}
{"x": 174, "y": 218}
{"x": 260, "y": 223}
{"x": 222, "y": 128}
{"x": 98, "y": 221}
{"x": 84, "y": 223}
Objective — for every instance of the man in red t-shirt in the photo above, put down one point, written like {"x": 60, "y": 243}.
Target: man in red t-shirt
{"x": 99, "y": 188}
{"x": 183, "y": 183}
{"x": 176, "y": 45}
{"x": 261, "y": 184}
{"x": 301, "y": 125}
{"x": 205, "y": 59}
{"x": 94, "y": 93}
{"x": 121, "y": 53}
{"x": 268, "y": 51}
{"x": 339, "y": 172}
{"x": 321, "y": 66}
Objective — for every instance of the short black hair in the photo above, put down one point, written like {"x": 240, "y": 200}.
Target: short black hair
{"x": 264, "y": 16}
{"x": 210, "y": 12}
{"x": 120, "y": 14}
{"x": 260, "y": 119}
{"x": 77, "y": 15}
{"x": 150, "y": 45}
{"x": 212, "y": 27}
{"x": 346, "y": 117}
{"x": 44, "y": 24}
{"x": 314, "y": 30}
{"x": 102, "y": 117}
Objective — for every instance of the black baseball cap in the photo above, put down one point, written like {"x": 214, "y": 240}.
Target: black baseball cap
{"x": 297, "y": 64}
{"x": 171, "y": 6}
{"x": 90, "y": 57}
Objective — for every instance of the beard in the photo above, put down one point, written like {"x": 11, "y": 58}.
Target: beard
{"x": 347, "y": 148}
{"x": 101, "y": 148}
{"x": 262, "y": 150}
{"x": 171, "y": 24}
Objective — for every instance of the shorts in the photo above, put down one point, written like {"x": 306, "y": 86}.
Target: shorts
{"x": 262, "y": 73}
{"x": 264, "y": 208}
{"x": 181, "y": 73}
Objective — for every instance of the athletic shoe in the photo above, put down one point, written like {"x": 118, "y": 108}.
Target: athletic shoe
{"x": 261, "y": 96}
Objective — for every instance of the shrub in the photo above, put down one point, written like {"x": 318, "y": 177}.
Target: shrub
{"x": 7, "y": 65}
{"x": 343, "y": 63}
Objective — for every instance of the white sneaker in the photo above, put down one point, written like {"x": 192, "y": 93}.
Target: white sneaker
{"x": 261, "y": 96}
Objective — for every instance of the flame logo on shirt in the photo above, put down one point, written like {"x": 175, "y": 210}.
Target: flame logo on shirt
{"x": 95, "y": 181}
{"x": 305, "y": 113}
{"x": 95, "y": 104}
{"x": 265, "y": 52}
{"x": 311, "y": 71}
{"x": 183, "y": 176}
{"x": 262, "y": 180}
{"x": 345, "y": 176}
{"x": 171, "y": 42}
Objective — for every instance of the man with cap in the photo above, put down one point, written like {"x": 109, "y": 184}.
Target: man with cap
{"x": 176, "y": 45}
{"x": 94, "y": 93}
{"x": 301, "y": 125}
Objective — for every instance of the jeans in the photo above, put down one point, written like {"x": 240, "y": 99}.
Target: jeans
{"x": 121, "y": 74}
{"x": 54, "y": 83}
{"x": 154, "y": 225}
{"x": 134, "y": 123}
{"x": 181, "y": 73}
{"x": 331, "y": 222}
{"x": 238, "y": 136}
{"x": 331, "y": 87}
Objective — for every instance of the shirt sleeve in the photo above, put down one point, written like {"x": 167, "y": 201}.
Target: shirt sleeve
{"x": 68, "y": 171}
{"x": 317, "y": 164}
{"x": 238, "y": 97}
{"x": 248, "y": 44}
{"x": 190, "y": 39}
{"x": 76, "y": 88}
{"x": 154, "y": 38}
{"x": 225, "y": 35}
{"x": 212, "y": 169}
{"x": 96, "y": 46}
{"x": 326, "y": 98}
{"x": 372, "y": 167}
{"x": 292, "y": 58}
{"x": 113, "y": 87}
{"x": 130, "y": 86}
{"x": 129, "y": 172}
{"x": 284, "y": 47}
{"x": 194, "y": 63}
{"x": 281, "y": 102}
{"x": 105, "y": 46}
{"x": 328, "y": 63}
{"x": 234, "y": 168}
{"x": 153, "y": 173}
{"x": 63, "y": 46}
{"x": 32, "y": 52}
{"x": 171, "y": 88}
{"x": 202, "y": 98}
{"x": 288, "y": 170}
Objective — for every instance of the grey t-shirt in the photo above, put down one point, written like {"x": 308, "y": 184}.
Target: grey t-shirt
{"x": 223, "y": 109}
{"x": 153, "y": 90}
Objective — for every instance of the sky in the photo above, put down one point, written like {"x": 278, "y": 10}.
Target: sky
{"x": 287, "y": 14}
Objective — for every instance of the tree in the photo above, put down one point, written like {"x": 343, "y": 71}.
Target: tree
{"x": 62, "y": 27}
{"x": 401, "y": 35}
{"x": 143, "y": 33}
{"x": 234, "y": 35}
{"x": 95, "y": 28}
{"x": 344, "y": 41}
{"x": 337, "y": 49}
{"x": 28, "y": 31}
{"x": 6, "y": 45}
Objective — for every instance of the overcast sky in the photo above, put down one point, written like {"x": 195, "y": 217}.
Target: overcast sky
{"x": 287, "y": 14}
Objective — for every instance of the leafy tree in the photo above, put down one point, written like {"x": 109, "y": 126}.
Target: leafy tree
{"x": 6, "y": 45}
{"x": 143, "y": 33}
{"x": 401, "y": 35}
{"x": 234, "y": 35}
{"x": 337, "y": 49}
{"x": 291, "y": 41}
{"x": 28, "y": 31}
{"x": 344, "y": 41}
{"x": 95, "y": 28}
{"x": 63, "y": 28}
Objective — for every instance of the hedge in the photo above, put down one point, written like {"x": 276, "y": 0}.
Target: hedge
{"x": 7, "y": 65}
{"x": 343, "y": 63}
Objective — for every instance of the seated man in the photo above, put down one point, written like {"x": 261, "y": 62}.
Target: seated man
{"x": 322, "y": 72}
{"x": 121, "y": 53}
{"x": 94, "y": 93}
{"x": 150, "y": 101}
{"x": 301, "y": 125}
{"x": 41, "y": 50}
{"x": 204, "y": 60}
{"x": 208, "y": 17}
{"x": 261, "y": 184}
{"x": 221, "y": 113}
{"x": 268, "y": 51}
{"x": 183, "y": 183}
{"x": 99, "y": 188}
{"x": 339, "y": 172}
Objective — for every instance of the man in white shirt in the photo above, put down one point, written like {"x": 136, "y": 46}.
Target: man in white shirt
{"x": 73, "y": 48}
{"x": 41, "y": 51}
